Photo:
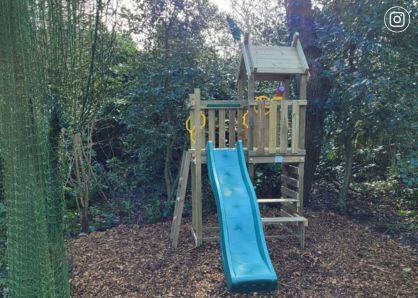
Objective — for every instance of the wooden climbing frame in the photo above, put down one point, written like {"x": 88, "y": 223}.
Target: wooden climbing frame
{"x": 272, "y": 132}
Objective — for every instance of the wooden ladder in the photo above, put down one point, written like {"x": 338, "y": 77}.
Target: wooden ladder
{"x": 180, "y": 196}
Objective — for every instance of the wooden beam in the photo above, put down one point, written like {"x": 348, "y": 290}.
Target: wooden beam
{"x": 302, "y": 126}
{"x": 231, "y": 128}
{"x": 180, "y": 197}
{"x": 260, "y": 128}
{"x": 221, "y": 131}
{"x": 301, "y": 169}
{"x": 289, "y": 181}
{"x": 284, "y": 122}
{"x": 198, "y": 170}
{"x": 272, "y": 141}
{"x": 295, "y": 127}
{"x": 287, "y": 192}
{"x": 212, "y": 126}
{"x": 251, "y": 113}
{"x": 284, "y": 101}
{"x": 278, "y": 200}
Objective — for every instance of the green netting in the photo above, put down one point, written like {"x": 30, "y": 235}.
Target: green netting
{"x": 35, "y": 246}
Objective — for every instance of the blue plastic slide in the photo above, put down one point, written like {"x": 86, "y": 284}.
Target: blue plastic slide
{"x": 245, "y": 258}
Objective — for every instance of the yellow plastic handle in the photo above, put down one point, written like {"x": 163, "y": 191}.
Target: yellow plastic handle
{"x": 244, "y": 120}
{"x": 190, "y": 130}
{"x": 259, "y": 98}
{"x": 262, "y": 97}
{"x": 203, "y": 120}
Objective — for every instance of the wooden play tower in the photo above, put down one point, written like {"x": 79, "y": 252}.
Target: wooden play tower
{"x": 273, "y": 131}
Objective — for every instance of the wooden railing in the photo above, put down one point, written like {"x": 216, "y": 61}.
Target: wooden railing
{"x": 273, "y": 126}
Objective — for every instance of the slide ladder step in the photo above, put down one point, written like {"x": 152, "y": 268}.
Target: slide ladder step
{"x": 274, "y": 220}
{"x": 278, "y": 200}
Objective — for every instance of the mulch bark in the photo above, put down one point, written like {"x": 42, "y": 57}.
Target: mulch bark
{"x": 342, "y": 258}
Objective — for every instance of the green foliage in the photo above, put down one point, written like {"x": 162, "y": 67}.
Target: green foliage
{"x": 371, "y": 106}
{"x": 149, "y": 107}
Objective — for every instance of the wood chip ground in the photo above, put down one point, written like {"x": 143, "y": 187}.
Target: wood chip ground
{"x": 341, "y": 259}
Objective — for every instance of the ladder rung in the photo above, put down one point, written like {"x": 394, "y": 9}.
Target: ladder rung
{"x": 280, "y": 200}
{"x": 273, "y": 220}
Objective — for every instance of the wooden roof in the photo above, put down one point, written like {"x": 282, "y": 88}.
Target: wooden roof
{"x": 272, "y": 62}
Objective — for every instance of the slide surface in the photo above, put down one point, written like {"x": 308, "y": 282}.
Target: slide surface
{"x": 245, "y": 258}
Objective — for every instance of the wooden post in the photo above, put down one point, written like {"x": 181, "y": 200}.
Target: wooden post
{"x": 240, "y": 94}
{"x": 295, "y": 126}
{"x": 197, "y": 172}
{"x": 302, "y": 95}
{"x": 283, "y": 127}
{"x": 272, "y": 127}
{"x": 260, "y": 128}
{"x": 251, "y": 113}
{"x": 221, "y": 128}
{"x": 212, "y": 126}
{"x": 231, "y": 128}
{"x": 193, "y": 165}
{"x": 301, "y": 172}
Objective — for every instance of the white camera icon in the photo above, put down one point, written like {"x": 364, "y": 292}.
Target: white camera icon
{"x": 397, "y": 19}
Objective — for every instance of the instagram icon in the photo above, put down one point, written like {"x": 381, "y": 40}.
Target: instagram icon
{"x": 397, "y": 19}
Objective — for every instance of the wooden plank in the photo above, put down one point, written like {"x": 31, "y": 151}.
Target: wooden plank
{"x": 272, "y": 159}
{"x": 286, "y": 192}
{"x": 221, "y": 131}
{"x": 212, "y": 126}
{"x": 292, "y": 170}
{"x": 281, "y": 70}
{"x": 270, "y": 76}
{"x": 180, "y": 197}
{"x": 204, "y": 103}
{"x": 272, "y": 140}
{"x": 284, "y": 101}
{"x": 203, "y": 132}
{"x": 231, "y": 128}
{"x": 193, "y": 176}
{"x": 302, "y": 94}
{"x": 240, "y": 131}
{"x": 192, "y": 122}
{"x": 300, "y": 187}
{"x": 295, "y": 127}
{"x": 255, "y": 131}
{"x": 279, "y": 200}
{"x": 274, "y": 61}
{"x": 303, "y": 86}
{"x": 284, "y": 122}
{"x": 289, "y": 180}
{"x": 273, "y": 220}
{"x": 176, "y": 207}
{"x": 240, "y": 95}
{"x": 194, "y": 235}
{"x": 251, "y": 113}
{"x": 266, "y": 129}
{"x": 260, "y": 129}
{"x": 302, "y": 57}
{"x": 198, "y": 170}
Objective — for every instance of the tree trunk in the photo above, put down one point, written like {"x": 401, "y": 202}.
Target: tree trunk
{"x": 85, "y": 219}
{"x": 299, "y": 18}
{"x": 348, "y": 160}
